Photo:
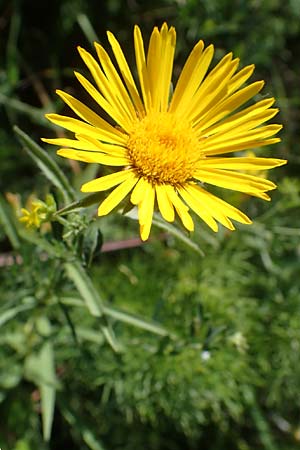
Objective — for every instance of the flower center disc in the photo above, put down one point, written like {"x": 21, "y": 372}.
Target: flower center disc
{"x": 163, "y": 148}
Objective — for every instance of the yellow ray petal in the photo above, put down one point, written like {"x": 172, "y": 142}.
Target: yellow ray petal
{"x": 114, "y": 79}
{"x": 168, "y": 38}
{"x": 92, "y": 157}
{"x": 212, "y": 90}
{"x": 191, "y": 77}
{"x": 240, "y": 146}
{"x": 94, "y": 69}
{"x": 139, "y": 191}
{"x": 112, "y": 111}
{"x": 181, "y": 208}
{"x": 261, "y": 195}
{"x": 126, "y": 73}
{"x": 242, "y": 163}
{"x": 188, "y": 74}
{"x": 105, "y": 87}
{"x": 116, "y": 196}
{"x": 73, "y": 143}
{"x": 234, "y": 180}
{"x": 216, "y": 204}
{"x": 84, "y": 112}
{"x": 231, "y": 136}
{"x": 142, "y": 68}
{"x": 153, "y": 67}
{"x": 164, "y": 204}
{"x": 198, "y": 208}
{"x": 145, "y": 211}
{"x": 108, "y": 134}
{"x": 230, "y": 104}
{"x": 254, "y": 114}
{"x": 216, "y": 145}
{"x": 244, "y": 125}
{"x": 240, "y": 78}
{"x": 108, "y": 181}
{"x": 95, "y": 145}
{"x": 220, "y": 68}
{"x": 202, "y": 202}
{"x": 160, "y": 58}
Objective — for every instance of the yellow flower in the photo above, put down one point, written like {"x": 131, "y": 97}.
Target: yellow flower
{"x": 165, "y": 149}
{"x": 31, "y": 216}
{"x": 36, "y": 212}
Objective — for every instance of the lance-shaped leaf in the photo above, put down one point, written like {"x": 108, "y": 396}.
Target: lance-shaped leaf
{"x": 40, "y": 368}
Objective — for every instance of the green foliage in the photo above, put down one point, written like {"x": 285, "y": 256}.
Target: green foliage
{"x": 154, "y": 347}
{"x": 221, "y": 373}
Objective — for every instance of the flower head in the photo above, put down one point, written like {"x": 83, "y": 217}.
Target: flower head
{"x": 31, "y": 217}
{"x": 36, "y": 211}
{"x": 164, "y": 150}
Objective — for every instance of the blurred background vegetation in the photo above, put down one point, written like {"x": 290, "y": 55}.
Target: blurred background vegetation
{"x": 226, "y": 373}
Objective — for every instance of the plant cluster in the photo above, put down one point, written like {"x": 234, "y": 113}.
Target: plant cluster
{"x": 184, "y": 342}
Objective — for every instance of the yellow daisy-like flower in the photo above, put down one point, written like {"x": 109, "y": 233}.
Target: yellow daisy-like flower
{"x": 165, "y": 148}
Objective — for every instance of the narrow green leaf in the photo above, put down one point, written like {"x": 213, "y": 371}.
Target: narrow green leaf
{"x": 136, "y": 321}
{"x": 8, "y": 224}
{"x": 123, "y": 316}
{"x": 92, "y": 299}
{"x": 11, "y": 313}
{"x": 47, "y": 391}
{"x": 40, "y": 368}
{"x": 47, "y": 165}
